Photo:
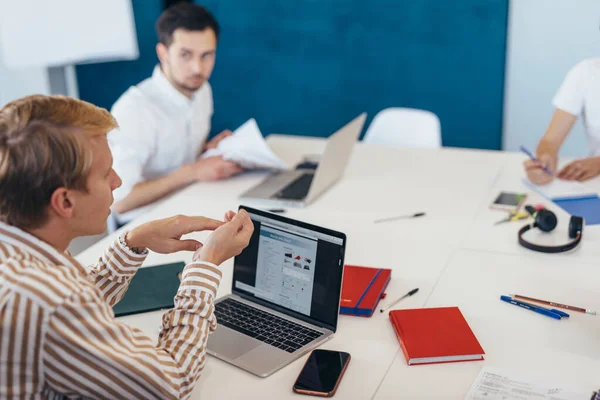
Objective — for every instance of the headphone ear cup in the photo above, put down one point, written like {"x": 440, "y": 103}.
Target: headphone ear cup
{"x": 575, "y": 226}
{"x": 545, "y": 220}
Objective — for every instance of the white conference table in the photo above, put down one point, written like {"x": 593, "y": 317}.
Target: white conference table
{"x": 454, "y": 255}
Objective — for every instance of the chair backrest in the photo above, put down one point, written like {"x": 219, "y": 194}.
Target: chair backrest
{"x": 111, "y": 223}
{"x": 406, "y": 127}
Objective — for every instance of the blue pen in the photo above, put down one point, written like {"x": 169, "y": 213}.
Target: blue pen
{"x": 561, "y": 313}
{"x": 539, "y": 310}
{"x": 533, "y": 158}
{"x": 555, "y": 311}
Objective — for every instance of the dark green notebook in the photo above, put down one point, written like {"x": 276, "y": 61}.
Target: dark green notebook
{"x": 152, "y": 288}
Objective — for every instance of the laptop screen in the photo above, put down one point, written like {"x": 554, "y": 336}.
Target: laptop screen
{"x": 293, "y": 267}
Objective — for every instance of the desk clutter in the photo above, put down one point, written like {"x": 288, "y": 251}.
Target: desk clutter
{"x": 545, "y": 221}
{"x": 552, "y": 313}
{"x": 573, "y": 197}
{"x": 528, "y": 304}
{"x": 279, "y": 275}
{"x": 425, "y": 335}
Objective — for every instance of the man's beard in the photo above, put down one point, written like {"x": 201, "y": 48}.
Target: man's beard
{"x": 188, "y": 88}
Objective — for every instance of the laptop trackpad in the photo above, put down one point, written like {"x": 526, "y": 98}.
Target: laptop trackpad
{"x": 230, "y": 344}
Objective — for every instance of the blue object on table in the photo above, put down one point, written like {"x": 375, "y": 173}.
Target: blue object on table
{"x": 539, "y": 310}
{"x": 585, "y": 205}
{"x": 561, "y": 313}
{"x": 588, "y": 208}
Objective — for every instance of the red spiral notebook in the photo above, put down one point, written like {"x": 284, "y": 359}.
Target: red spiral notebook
{"x": 362, "y": 289}
{"x": 435, "y": 335}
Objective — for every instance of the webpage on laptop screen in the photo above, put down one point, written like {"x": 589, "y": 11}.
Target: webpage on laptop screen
{"x": 285, "y": 269}
{"x": 293, "y": 267}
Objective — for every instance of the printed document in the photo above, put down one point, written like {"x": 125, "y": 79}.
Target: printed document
{"x": 500, "y": 384}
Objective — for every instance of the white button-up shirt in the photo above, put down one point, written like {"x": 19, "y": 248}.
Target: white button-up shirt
{"x": 160, "y": 130}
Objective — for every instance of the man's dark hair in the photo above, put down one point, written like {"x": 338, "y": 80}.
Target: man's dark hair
{"x": 191, "y": 17}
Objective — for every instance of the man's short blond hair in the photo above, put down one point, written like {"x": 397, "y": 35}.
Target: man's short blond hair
{"x": 44, "y": 146}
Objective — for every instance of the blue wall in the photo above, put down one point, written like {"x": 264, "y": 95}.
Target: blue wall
{"x": 102, "y": 84}
{"x": 308, "y": 66}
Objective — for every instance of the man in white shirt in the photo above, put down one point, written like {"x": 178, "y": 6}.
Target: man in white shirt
{"x": 165, "y": 120}
{"x": 579, "y": 95}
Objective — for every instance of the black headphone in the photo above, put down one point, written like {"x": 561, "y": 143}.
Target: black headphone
{"x": 546, "y": 221}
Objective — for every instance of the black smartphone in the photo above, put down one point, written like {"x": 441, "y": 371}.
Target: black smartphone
{"x": 322, "y": 373}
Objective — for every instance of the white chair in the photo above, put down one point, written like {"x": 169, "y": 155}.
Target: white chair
{"x": 405, "y": 127}
{"x": 111, "y": 223}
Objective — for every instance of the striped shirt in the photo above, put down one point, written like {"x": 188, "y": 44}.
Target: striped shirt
{"x": 59, "y": 338}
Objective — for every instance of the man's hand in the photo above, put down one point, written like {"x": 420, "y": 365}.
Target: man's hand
{"x": 212, "y": 169}
{"x": 581, "y": 170}
{"x": 163, "y": 235}
{"x": 228, "y": 240}
{"x": 214, "y": 142}
{"x": 535, "y": 169}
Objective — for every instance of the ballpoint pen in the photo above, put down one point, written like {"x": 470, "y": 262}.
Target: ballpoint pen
{"x": 397, "y": 300}
{"x": 553, "y": 304}
{"x": 415, "y": 215}
{"x": 534, "y": 158}
{"x": 555, "y": 311}
{"x": 531, "y": 307}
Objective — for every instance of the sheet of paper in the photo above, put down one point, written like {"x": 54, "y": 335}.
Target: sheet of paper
{"x": 560, "y": 189}
{"x": 500, "y": 384}
{"x": 248, "y": 148}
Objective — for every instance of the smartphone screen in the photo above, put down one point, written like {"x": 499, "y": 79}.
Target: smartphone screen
{"x": 322, "y": 371}
{"x": 509, "y": 199}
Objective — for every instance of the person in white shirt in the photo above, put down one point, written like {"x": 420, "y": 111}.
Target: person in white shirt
{"x": 164, "y": 120}
{"x": 579, "y": 95}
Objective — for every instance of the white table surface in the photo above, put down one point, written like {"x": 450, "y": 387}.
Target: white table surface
{"x": 454, "y": 255}
{"x": 565, "y": 351}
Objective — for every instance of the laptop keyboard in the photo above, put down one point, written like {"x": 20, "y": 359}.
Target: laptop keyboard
{"x": 263, "y": 326}
{"x": 297, "y": 189}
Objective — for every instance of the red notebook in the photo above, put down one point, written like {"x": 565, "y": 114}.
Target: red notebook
{"x": 435, "y": 335}
{"x": 362, "y": 289}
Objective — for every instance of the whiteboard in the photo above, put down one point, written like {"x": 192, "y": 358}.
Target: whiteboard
{"x": 62, "y": 32}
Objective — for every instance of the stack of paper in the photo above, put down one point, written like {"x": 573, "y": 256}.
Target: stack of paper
{"x": 248, "y": 148}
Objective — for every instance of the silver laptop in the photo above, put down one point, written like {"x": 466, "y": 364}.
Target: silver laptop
{"x": 285, "y": 295}
{"x": 300, "y": 187}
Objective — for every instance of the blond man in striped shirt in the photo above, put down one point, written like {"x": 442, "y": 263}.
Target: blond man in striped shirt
{"x": 58, "y": 334}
